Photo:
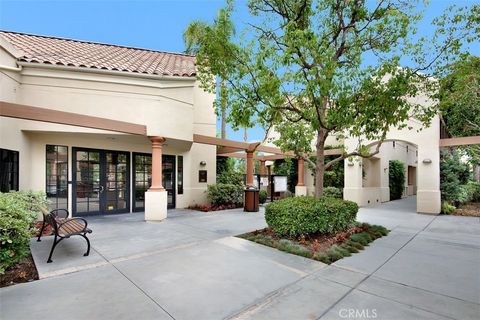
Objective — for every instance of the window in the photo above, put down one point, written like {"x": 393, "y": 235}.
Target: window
{"x": 8, "y": 170}
{"x": 180, "y": 174}
{"x": 142, "y": 179}
{"x": 57, "y": 176}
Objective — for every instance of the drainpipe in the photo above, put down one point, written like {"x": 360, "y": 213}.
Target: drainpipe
{"x": 7, "y": 68}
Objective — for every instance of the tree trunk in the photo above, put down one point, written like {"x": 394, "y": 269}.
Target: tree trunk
{"x": 223, "y": 115}
{"x": 320, "y": 163}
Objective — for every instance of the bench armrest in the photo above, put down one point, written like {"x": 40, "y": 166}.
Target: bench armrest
{"x": 60, "y": 213}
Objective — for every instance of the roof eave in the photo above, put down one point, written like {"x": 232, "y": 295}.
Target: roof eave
{"x": 105, "y": 72}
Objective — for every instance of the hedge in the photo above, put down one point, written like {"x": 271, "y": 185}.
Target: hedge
{"x": 396, "y": 181}
{"x": 307, "y": 215}
{"x": 333, "y": 192}
{"x": 262, "y": 196}
{"x": 18, "y": 211}
{"x": 225, "y": 193}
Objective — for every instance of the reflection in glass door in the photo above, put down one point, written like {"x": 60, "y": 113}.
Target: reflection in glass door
{"x": 142, "y": 164}
{"x": 100, "y": 181}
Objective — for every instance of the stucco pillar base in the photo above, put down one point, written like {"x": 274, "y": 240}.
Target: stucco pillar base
{"x": 155, "y": 205}
{"x": 353, "y": 194}
{"x": 429, "y": 201}
{"x": 300, "y": 191}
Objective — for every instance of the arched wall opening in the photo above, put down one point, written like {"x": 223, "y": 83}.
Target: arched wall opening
{"x": 422, "y": 169}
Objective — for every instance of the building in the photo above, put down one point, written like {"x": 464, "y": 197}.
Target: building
{"x": 366, "y": 181}
{"x": 95, "y": 126}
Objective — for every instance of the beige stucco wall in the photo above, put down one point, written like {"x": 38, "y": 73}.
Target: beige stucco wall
{"x": 173, "y": 108}
{"x": 428, "y": 174}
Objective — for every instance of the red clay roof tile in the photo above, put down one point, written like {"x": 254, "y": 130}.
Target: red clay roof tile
{"x": 67, "y": 52}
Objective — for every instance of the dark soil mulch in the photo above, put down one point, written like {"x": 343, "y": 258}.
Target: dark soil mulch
{"x": 470, "y": 209}
{"x": 23, "y": 271}
{"x": 208, "y": 208}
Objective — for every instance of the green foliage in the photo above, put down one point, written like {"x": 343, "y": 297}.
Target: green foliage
{"x": 396, "y": 179}
{"x": 454, "y": 176}
{"x": 230, "y": 177}
{"x": 473, "y": 188}
{"x": 18, "y": 211}
{"x": 223, "y": 193}
{"x": 333, "y": 192}
{"x": 301, "y": 66}
{"x": 262, "y": 196}
{"x": 447, "y": 208}
{"x": 459, "y": 101}
{"x": 306, "y": 215}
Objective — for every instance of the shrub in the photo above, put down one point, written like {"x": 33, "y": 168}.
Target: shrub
{"x": 396, "y": 182}
{"x": 230, "y": 177}
{"x": 447, "y": 208}
{"x": 454, "y": 176}
{"x": 473, "y": 189}
{"x": 18, "y": 211}
{"x": 223, "y": 193}
{"x": 262, "y": 196}
{"x": 333, "y": 192}
{"x": 307, "y": 215}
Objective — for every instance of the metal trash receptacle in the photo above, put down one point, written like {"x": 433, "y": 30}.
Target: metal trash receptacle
{"x": 251, "y": 200}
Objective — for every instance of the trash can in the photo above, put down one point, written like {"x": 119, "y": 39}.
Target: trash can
{"x": 251, "y": 200}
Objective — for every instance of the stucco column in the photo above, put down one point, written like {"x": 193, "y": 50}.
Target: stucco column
{"x": 300, "y": 188}
{"x": 156, "y": 197}
{"x": 157, "y": 144}
{"x": 262, "y": 167}
{"x": 300, "y": 172}
{"x": 250, "y": 169}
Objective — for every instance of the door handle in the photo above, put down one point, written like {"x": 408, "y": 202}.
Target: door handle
{"x": 100, "y": 189}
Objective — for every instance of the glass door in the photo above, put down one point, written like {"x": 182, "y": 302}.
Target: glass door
{"x": 168, "y": 178}
{"x": 100, "y": 181}
{"x": 142, "y": 178}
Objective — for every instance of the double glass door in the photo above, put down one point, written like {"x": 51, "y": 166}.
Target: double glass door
{"x": 142, "y": 175}
{"x": 101, "y": 182}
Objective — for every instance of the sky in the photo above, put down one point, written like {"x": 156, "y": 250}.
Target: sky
{"x": 152, "y": 24}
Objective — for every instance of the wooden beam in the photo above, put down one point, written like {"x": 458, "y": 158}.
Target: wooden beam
{"x": 331, "y": 152}
{"x": 19, "y": 111}
{"x": 462, "y": 141}
{"x": 223, "y": 150}
{"x": 240, "y": 155}
{"x": 198, "y": 138}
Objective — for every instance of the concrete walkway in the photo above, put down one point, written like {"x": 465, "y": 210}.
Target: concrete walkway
{"x": 191, "y": 267}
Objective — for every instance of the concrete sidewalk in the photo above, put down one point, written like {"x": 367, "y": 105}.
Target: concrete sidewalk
{"x": 191, "y": 267}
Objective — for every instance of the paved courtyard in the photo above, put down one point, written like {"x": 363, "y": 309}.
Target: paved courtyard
{"x": 191, "y": 267}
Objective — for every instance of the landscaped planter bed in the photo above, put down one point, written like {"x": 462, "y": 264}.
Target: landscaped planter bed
{"x": 321, "y": 247}
{"x": 471, "y": 209}
{"x": 209, "y": 208}
{"x": 22, "y": 271}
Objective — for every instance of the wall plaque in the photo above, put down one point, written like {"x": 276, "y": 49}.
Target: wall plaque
{"x": 202, "y": 175}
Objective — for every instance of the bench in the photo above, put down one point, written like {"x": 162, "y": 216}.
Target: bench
{"x": 63, "y": 228}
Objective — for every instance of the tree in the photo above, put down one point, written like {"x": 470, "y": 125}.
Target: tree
{"x": 303, "y": 68}
{"x": 459, "y": 102}
{"x": 199, "y": 33}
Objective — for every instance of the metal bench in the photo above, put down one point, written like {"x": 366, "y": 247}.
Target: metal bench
{"x": 64, "y": 228}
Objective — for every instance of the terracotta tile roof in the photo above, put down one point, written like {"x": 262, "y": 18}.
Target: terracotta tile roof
{"x": 67, "y": 52}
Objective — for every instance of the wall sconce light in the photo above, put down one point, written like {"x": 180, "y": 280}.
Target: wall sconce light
{"x": 203, "y": 163}
{"x": 427, "y": 161}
